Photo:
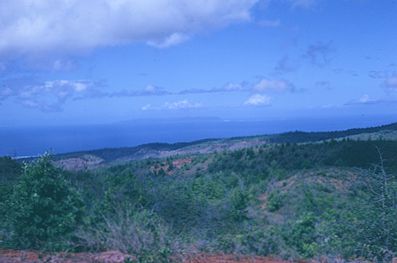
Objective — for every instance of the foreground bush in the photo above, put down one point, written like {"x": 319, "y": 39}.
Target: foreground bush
{"x": 140, "y": 233}
{"x": 43, "y": 209}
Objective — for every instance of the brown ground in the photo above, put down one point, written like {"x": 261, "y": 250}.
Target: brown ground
{"x": 12, "y": 256}
{"x": 178, "y": 164}
{"x": 232, "y": 259}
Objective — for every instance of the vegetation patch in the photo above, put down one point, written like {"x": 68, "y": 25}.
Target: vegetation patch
{"x": 333, "y": 199}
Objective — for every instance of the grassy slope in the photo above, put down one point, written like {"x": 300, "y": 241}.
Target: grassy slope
{"x": 290, "y": 200}
{"x": 112, "y": 156}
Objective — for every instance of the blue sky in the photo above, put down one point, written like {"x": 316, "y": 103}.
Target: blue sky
{"x": 104, "y": 61}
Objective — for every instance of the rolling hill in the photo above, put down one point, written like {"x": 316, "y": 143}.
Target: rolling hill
{"x": 111, "y": 156}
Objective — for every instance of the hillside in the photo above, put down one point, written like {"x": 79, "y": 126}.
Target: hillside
{"x": 320, "y": 197}
{"x": 106, "y": 157}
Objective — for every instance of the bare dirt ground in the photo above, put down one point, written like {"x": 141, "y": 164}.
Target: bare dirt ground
{"x": 13, "y": 256}
{"x": 231, "y": 259}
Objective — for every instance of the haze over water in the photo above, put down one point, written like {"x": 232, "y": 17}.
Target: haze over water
{"x": 28, "y": 141}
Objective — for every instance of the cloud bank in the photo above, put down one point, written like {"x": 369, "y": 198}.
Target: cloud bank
{"x": 176, "y": 105}
{"x": 51, "y": 95}
{"x": 36, "y": 26}
{"x": 276, "y": 85}
{"x": 47, "y": 96}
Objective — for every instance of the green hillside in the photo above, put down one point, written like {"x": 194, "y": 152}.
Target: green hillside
{"x": 331, "y": 198}
{"x": 111, "y": 156}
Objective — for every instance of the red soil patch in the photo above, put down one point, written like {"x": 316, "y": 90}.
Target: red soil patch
{"x": 12, "y": 256}
{"x": 232, "y": 259}
{"x": 181, "y": 162}
{"x": 177, "y": 164}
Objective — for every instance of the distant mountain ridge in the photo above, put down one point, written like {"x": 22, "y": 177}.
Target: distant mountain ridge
{"x": 96, "y": 158}
{"x": 299, "y": 137}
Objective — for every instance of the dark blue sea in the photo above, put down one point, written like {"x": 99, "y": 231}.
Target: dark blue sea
{"x": 31, "y": 141}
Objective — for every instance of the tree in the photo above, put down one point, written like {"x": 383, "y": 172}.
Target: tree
{"x": 379, "y": 220}
{"x": 44, "y": 208}
{"x": 10, "y": 170}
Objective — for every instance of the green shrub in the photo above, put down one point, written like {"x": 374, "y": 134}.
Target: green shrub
{"x": 10, "y": 170}
{"x": 275, "y": 201}
{"x": 124, "y": 190}
{"x": 239, "y": 200}
{"x": 302, "y": 235}
{"x": 176, "y": 202}
{"x": 140, "y": 233}
{"x": 43, "y": 209}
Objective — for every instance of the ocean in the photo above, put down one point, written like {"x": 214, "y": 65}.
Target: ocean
{"x": 32, "y": 141}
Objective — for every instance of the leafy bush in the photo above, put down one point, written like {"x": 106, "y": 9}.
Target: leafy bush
{"x": 10, "y": 170}
{"x": 301, "y": 234}
{"x": 176, "y": 203}
{"x": 140, "y": 233}
{"x": 125, "y": 191}
{"x": 44, "y": 210}
{"x": 275, "y": 201}
{"x": 239, "y": 200}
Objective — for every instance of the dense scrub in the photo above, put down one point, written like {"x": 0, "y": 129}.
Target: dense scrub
{"x": 301, "y": 137}
{"x": 333, "y": 199}
{"x": 289, "y": 156}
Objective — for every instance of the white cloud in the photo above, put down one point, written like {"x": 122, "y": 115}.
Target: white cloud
{"x": 234, "y": 87}
{"x": 364, "y": 99}
{"x": 147, "y": 107}
{"x": 31, "y": 25}
{"x": 47, "y": 95}
{"x": 261, "y": 86}
{"x": 63, "y": 85}
{"x": 176, "y": 105}
{"x": 258, "y": 100}
{"x": 368, "y": 100}
{"x": 265, "y": 85}
{"x": 182, "y": 104}
{"x": 151, "y": 89}
{"x": 229, "y": 87}
{"x": 172, "y": 40}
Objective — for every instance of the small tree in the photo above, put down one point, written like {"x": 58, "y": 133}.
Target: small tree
{"x": 379, "y": 224}
{"x": 44, "y": 209}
